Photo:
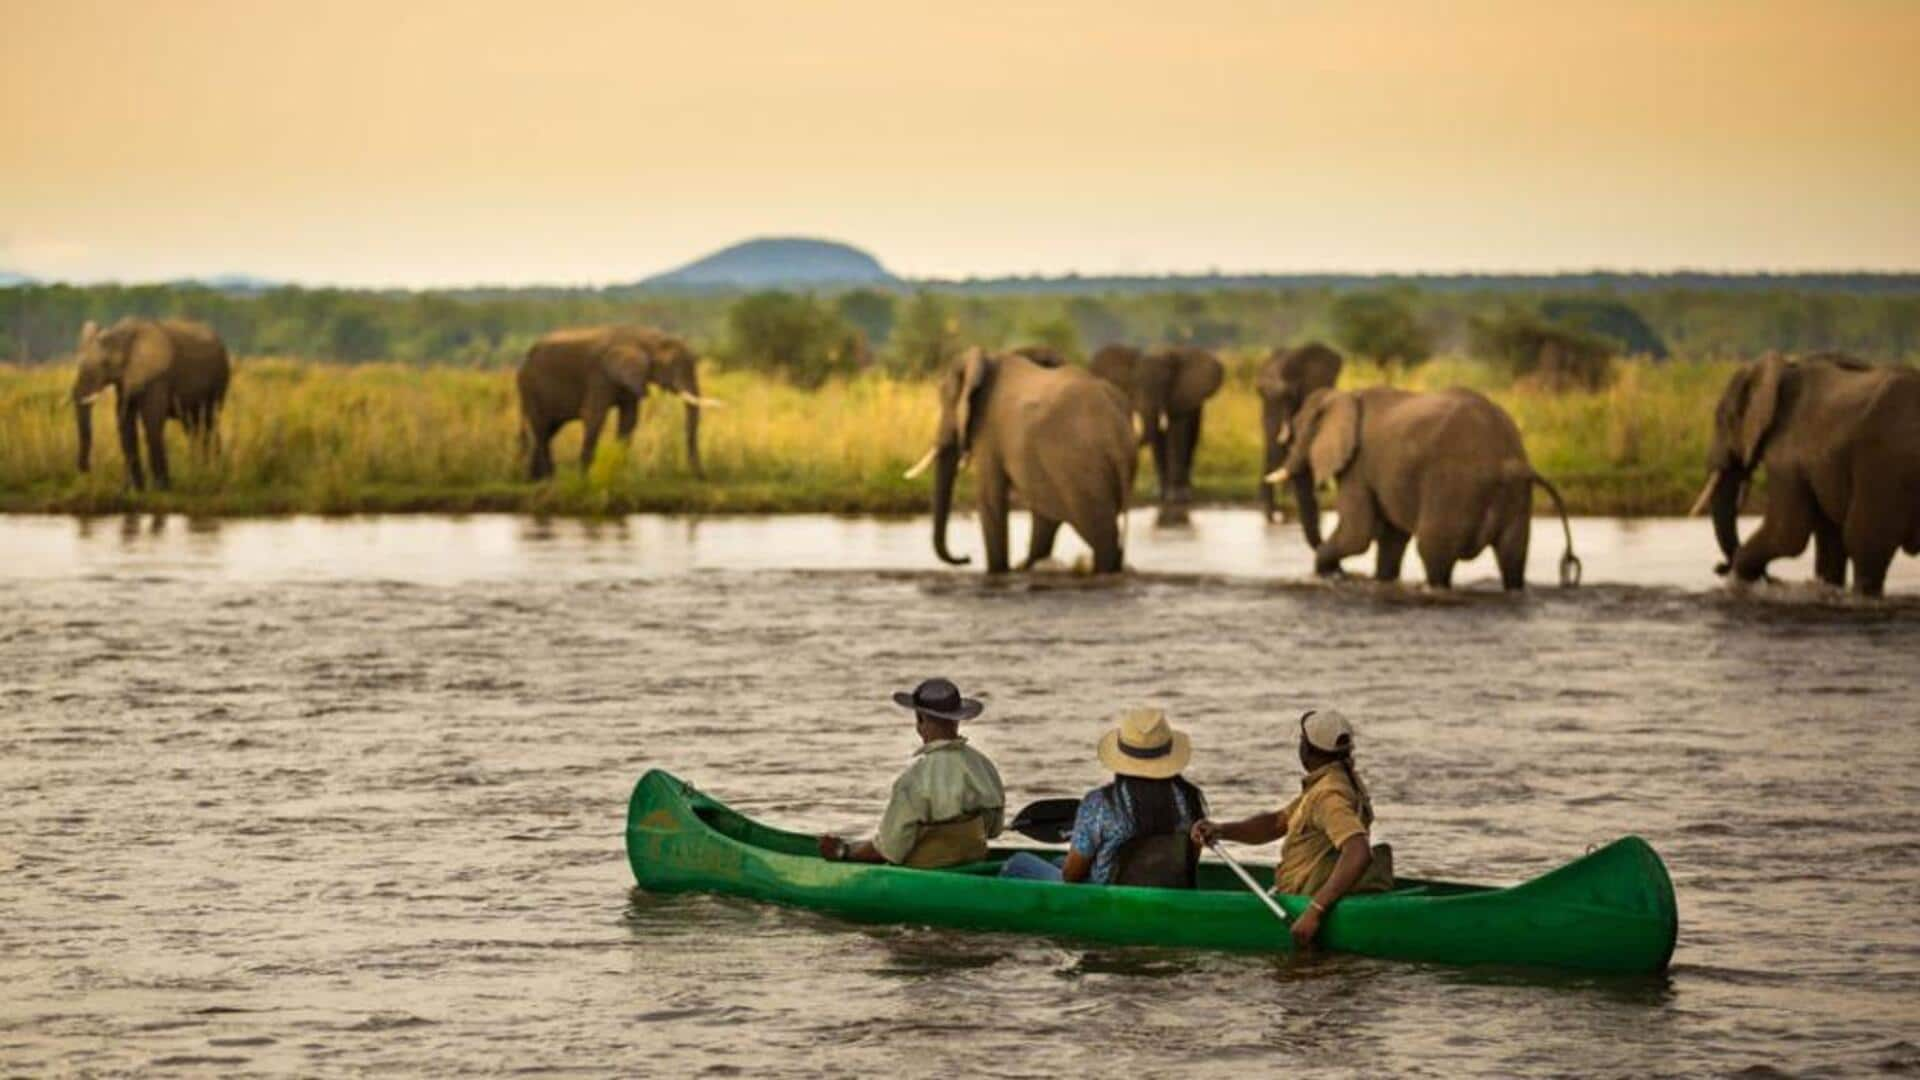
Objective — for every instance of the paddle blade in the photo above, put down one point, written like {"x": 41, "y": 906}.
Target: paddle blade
{"x": 1049, "y": 821}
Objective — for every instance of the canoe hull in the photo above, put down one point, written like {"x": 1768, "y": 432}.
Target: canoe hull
{"x": 1611, "y": 911}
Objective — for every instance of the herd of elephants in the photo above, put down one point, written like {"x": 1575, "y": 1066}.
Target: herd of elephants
{"x": 1839, "y": 441}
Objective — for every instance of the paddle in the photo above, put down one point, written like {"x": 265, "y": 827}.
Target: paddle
{"x": 1252, "y": 885}
{"x": 1049, "y": 821}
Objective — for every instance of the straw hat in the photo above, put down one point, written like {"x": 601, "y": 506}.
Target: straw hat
{"x": 1143, "y": 744}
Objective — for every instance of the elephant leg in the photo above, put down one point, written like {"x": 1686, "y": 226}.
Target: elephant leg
{"x": 1157, "y": 442}
{"x": 1784, "y": 530}
{"x": 1874, "y": 528}
{"x": 154, "y": 418}
{"x": 993, "y": 519}
{"x": 1870, "y": 571}
{"x": 1392, "y": 551}
{"x": 1829, "y": 553}
{"x": 127, "y": 419}
{"x": 1270, "y": 457}
{"x": 540, "y": 448}
{"x": 1510, "y": 551}
{"x": 1359, "y": 521}
{"x": 628, "y": 420}
{"x": 1045, "y": 530}
{"x": 1187, "y": 454}
{"x": 594, "y": 418}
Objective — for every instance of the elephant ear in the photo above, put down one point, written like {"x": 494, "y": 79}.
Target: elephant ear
{"x": 1763, "y": 403}
{"x": 628, "y": 365}
{"x": 1198, "y": 378}
{"x": 149, "y": 353}
{"x": 975, "y": 371}
{"x": 1315, "y": 366}
{"x": 1336, "y": 435}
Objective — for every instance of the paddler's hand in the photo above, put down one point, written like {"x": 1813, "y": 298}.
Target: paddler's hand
{"x": 1203, "y": 832}
{"x": 1305, "y": 929}
{"x": 832, "y": 848}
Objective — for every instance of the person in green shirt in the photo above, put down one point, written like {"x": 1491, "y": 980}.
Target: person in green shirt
{"x": 947, "y": 803}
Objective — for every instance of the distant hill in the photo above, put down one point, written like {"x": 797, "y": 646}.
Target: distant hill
{"x": 8, "y": 277}
{"x": 778, "y": 262}
{"x": 235, "y": 283}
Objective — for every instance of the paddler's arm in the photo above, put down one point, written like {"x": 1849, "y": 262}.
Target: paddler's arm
{"x": 1258, "y": 829}
{"x": 1356, "y": 854}
{"x": 835, "y": 849}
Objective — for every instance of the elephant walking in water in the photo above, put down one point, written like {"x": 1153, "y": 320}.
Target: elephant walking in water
{"x": 1445, "y": 470}
{"x": 159, "y": 370}
{"x": 1055, "y": 436}
{"x": 580, "y": 374}
{"x": 1840, "y": 441}
{"x": 1284, "y": 382}
{"x": 1168, "y": 389}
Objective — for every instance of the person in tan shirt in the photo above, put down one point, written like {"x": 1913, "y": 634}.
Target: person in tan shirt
{"x": 1327, "y": 852}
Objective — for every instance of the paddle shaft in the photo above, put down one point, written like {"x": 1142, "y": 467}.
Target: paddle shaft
{"x": 1252, "y": 885}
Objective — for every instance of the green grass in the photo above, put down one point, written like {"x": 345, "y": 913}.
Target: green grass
{"x": 322, "y": 438}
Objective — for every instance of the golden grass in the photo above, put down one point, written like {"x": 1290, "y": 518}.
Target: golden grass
{"x": 322, "y": 438}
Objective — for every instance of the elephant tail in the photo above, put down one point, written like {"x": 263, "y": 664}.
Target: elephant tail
{"x": 1569, "y": 563}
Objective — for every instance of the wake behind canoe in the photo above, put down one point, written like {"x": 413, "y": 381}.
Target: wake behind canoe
{"x": 1611, "y": 911}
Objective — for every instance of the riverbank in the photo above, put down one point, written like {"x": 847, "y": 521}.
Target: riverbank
{"x": 302, "y": 437}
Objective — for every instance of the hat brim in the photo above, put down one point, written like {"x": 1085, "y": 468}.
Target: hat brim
{"x": 969, "y": 707}
{"x": 1159, "y": 768}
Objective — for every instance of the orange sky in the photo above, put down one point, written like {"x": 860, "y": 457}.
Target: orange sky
{"x": 426, "y": 143}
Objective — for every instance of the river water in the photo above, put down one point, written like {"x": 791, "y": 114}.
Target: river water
{"x": 345, "y": 796}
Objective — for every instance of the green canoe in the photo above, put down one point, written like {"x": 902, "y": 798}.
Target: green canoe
{"x": 1611, "y": 911}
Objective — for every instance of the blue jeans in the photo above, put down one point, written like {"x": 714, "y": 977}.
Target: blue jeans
{"x": 1029, "y": 867}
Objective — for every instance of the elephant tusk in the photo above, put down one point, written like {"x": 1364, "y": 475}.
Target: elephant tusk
{"x": 1284, "y": 435}
{"x": 1139, "y": 427}
{"x": 923, "y": 464}
{"x": 1277, "y": 476}
{"x": 698, "y": 402}
{"x": 1706, "y": 495}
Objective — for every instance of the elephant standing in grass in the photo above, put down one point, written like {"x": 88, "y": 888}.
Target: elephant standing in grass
{"x": 1446, "y": 470}
{"x": 1056, "y": 437}
{"x": 1168, "y": 389}
{"x": 580, "y": 374}
{"x": 159, "y": 370}
{"x": 1284, "y": 382}
{"x": 1840, "y": 441}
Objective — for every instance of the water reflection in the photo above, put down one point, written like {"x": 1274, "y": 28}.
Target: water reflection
{"x": 1663, "y": 552}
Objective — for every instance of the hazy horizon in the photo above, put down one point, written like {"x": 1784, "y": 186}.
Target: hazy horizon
{"x": 594, "y": 143}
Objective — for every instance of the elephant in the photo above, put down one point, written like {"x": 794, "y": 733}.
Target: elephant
{"x": 1445, "y": 469}
{"x": 1284, "y": 382}
{"x": 1057, "y": 437}
{"x": 580, "y": 374}
{"x": 1840, "y": 442}
{"x": 160, "y": 370}
{"x": 1168, "y": 388}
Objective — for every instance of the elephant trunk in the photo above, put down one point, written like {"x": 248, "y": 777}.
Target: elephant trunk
{"x": 83, "y": 423}
{"x": 1725, "y": 505}
{"x": 1309, "y": 506}
{"x": 693, "y": 439}
{"x": 946, "y": 470}
{"x": 1269, "y": 438}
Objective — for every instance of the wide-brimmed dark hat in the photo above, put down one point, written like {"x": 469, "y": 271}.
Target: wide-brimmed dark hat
{"x": 939, "y": 697}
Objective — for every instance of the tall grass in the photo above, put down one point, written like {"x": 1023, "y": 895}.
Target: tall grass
{"x": 324, "y": 438}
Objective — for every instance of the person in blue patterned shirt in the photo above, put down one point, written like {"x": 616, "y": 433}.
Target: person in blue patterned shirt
{"x": 1133, "y": 831}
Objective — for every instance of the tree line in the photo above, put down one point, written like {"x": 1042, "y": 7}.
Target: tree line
{"x": 812, "y": 336}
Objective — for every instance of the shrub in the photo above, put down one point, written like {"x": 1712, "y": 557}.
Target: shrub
{"x": 1552, "y": 357}
{"x": 1380, "y": 326}
{"x": 927, "y": 337}
{"x": 792, "y": 334}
